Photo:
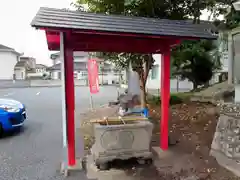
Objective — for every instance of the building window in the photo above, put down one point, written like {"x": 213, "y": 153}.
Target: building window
{"x": 84, "y": 73}
{"x": 59, "y": 75}
{"x": 75, "y": 75}
{"x": 155, "y": 71}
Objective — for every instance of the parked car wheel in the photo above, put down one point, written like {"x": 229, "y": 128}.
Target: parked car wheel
{"x": 1, "y": 130}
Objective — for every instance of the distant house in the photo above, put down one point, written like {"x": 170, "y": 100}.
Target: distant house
{"x": 31, "y": 62}
{"x": 107, "y": 72}
{"x": 8, "y": 59}
{"x": 80, "y": 66}
{"x": 24, "y": 67}
{"x": 39, "y": 72}
{"x": 20, "y": 70}
{"x": 154, "y": 78}
{"x": 80, "y": 71}
{"x": 41, "y": 69}
{"x": 79, "y": 56}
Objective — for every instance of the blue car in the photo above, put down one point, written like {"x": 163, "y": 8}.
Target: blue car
{"x": 12, "y": 115}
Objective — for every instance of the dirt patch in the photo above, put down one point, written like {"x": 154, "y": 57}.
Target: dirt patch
{"x": 192, "y": 125}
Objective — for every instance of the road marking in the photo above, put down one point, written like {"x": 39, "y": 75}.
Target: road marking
{"x": 38, "y": 93}
{"x": 8, "y": 94}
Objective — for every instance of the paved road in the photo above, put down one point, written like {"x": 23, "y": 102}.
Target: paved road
{"x": 35, "y": 153}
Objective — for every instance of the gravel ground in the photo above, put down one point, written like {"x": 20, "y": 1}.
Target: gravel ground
{"x": 192, "y": 125}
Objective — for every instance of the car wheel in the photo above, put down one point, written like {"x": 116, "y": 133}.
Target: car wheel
{"x": 1, "y": 130}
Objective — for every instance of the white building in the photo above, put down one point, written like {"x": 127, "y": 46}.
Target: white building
{"x": 80, "y": 65}
{"x": 38, "y": 72}
{"x": 107, "y": 72}
{"x": 154, "y": 78}
{"x": 8, "y": 59}
{"x": 20, "y": 70}
{"x": 24, "y": 67}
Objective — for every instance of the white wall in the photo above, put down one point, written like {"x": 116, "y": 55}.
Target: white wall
{"x": 39, "y": 72}
{"x": 7, "y": 62}
{"x": 83, "y": 58}
{"x": 108, "y": 78}
{"x": 77, "y": 74}
{"x": 20, "y": 73}
{"x": 156, "y": 83}
{"x": 224, "y": 61}
{"x": 54, "y": 75}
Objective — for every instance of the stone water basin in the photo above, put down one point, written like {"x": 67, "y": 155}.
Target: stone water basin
{"x": 121, "y": 140}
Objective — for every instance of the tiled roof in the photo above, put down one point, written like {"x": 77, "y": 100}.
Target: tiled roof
{"x": 62, "y": 18}
{"x": 5, "y": 47}
{"x": 25, "y": 58}
{"x": 21, "y": 64}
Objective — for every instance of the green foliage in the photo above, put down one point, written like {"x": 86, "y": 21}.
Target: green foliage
{"x": 233, "y": 18}
{"x": 174, "y": 99}
{"x": 193, "y": 60}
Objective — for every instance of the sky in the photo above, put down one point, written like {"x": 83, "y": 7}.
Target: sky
{"x": 15, "y": 29}
{"x": 16, "y": 32}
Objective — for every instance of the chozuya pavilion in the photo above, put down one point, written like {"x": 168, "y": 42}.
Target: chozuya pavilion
{"x": 70, "y": 31}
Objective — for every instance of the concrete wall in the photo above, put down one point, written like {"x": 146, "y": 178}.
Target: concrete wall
{"x": 56, "y": 75}
{"x": 43, "y": 83}
{"x": 7, "y": 62}
{"x": 109, "y": 78}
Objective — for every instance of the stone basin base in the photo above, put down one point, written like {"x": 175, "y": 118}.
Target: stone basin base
{"x": 122, "y": 141}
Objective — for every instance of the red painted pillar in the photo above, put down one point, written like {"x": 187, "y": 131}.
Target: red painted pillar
{"x": 70, "y": 104}
{"x": 165, "y": 96}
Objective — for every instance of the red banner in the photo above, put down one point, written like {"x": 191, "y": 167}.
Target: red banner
{"x": 93, "y": 76}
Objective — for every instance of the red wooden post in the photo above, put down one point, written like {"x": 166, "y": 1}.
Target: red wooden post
{"x": 70, "y": 104}
{"x": 165, "y": 96}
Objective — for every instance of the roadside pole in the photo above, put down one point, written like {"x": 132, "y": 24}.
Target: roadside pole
{"x": 90, "y": 98}
{"x": 64, "y": 123}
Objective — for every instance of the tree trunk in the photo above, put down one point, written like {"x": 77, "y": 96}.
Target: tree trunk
{"x": 207, "y": 84}
{"x": 143, "y": 75}
{"x": 177, "y": 84}
{"x": 195, "y": 86}
{"x": 143, "y": 94}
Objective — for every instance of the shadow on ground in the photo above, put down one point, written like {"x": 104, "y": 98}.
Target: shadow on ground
{"x": 16, "y": 132}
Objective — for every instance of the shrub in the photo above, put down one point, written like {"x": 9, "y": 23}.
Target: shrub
{"x": 175, "y": 98}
